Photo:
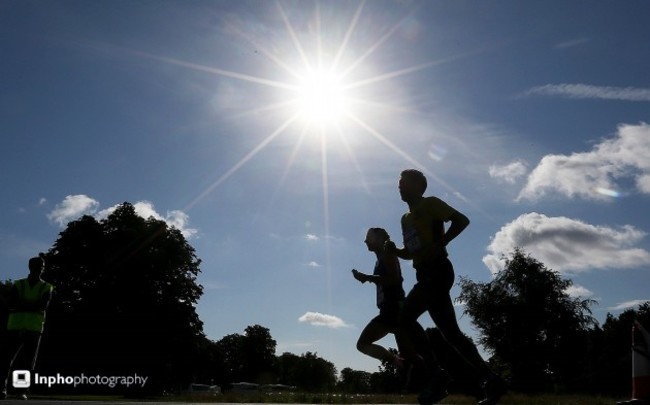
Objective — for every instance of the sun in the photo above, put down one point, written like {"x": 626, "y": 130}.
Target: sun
{"x": 325, "y": 84}
{"x": 321, "y": 98}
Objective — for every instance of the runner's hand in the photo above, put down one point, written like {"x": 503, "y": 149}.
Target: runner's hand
{"x": 359, "y": 276}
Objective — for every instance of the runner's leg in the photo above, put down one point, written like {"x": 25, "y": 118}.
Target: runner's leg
{"x": 374, "y": 331}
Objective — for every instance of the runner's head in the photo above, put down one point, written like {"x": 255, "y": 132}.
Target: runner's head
{"x": 412, "y": 184}
{"x": 376, "y": 238}
{"x": 36, "y": 265}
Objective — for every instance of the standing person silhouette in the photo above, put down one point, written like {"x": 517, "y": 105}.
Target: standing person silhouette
{"x": 425, "y": 241}
{"x": 28, "y": 301}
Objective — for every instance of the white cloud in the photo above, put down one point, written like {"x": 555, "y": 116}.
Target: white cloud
{"x": 71, "y": 208}
{"x": 510, "y": 172}
{"x": 568, "y": 245}
{"x": 313, "y": 264}
{"x": 318, "y": 319}
{"x": 627, "y": 305}
{"x": 588, "y": 174}
{"x": 74, "y": 206}
{"x": 586, "y": 91}
{"x": 310, "y": 236}
{"x": 643, "y": 183}
{"x": 145, "y": 209}
{"x": 578, "y": 291}
{"x": 180, "y": 220}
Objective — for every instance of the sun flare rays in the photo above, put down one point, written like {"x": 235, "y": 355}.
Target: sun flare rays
{"x": 322, "y": 88}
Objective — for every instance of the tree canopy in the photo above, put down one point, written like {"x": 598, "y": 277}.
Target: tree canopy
{"x": 125, "y": 296}
{"x": 249, "y": 357}
{"x": 529, "y": 322}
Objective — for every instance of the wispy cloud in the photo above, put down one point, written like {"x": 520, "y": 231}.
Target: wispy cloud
{"x": 312, "y": 237}
{"x": 595, "y": 174}
{"x": 587, "y": 91}
{"x": 313, "y": 264}
{"x": 213, "y": 285}
{"x": 568, "y": 245}
{"x": 627, "y": 305}
{"x": 12, "y": 245}
{"x": 510, "y": 172}
{"x": 318, "y": 319}
{"x": 72, "y": 207}
{"x": 301, "y": 346}
{"x": 571, "y": 43}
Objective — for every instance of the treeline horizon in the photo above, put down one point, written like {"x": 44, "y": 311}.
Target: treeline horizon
{"x": 126, "y": 289}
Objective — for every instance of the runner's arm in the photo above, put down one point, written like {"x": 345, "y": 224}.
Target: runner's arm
{"x": 458, "y": 223}
{"x": 402, "y": 253}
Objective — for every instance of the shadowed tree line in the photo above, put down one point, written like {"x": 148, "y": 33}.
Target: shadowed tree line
{"x": 251, "y": 357}
{"x": 125, "y": 297}
{"x": 542, "y": 338}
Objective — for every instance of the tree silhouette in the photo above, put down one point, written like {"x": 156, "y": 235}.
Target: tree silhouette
{"x": 247, "y": 358}
{"x": 125, "y": 291}
{"x": 529, "y": 322}
{"x": 230, "y": 352}
{"x": 258, "y": 354}
{"x": 308, "y": 372}
{"x": 354, "y": 381}
{"x": 610, "y": 355}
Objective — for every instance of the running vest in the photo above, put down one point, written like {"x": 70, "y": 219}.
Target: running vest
{"x": 424, "y": 227}
{"x": 387, "y": 295}
{"x": 29, "y": 321}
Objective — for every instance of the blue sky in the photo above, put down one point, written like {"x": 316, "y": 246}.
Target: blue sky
{"x": 273, "y": 133}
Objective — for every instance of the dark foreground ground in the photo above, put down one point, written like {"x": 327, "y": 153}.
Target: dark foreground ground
{"x": 98, "y": 402}
{"x": 323, "y": 399}
{"x": 117, "y": 402}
